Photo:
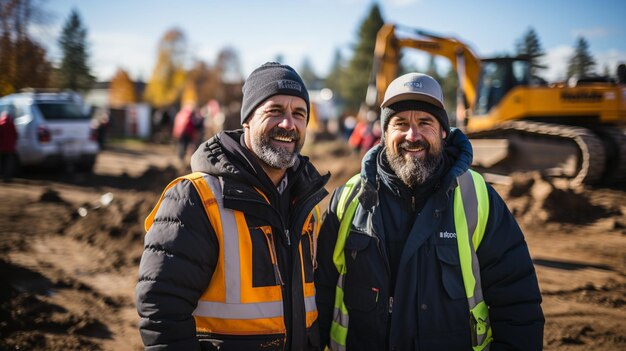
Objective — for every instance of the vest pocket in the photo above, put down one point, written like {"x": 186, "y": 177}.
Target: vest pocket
{"x": 451, "y": 276}
{"x": 360, "y": 298}
{"x": 264, "y": 265}
{"x": 308, "y": 255}
{"x": 360, "y": 292}
{"x": 355, "y": 243}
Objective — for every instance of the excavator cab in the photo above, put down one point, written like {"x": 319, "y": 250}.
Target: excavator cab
{"x": 498, "y": 76}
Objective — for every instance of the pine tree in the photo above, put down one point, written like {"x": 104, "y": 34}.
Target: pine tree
{"x": 432, "y": 69}
{"x": 530, "y": 46}
{"x": 359, "y": 71}
{"x": 449, "y": 86}
{"x": 581, "y": 63}
{"x": 74, "y": 72}
{"x": 335, "y": 75}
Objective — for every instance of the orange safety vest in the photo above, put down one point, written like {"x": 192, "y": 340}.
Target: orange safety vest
{"x": 231, "y": 305}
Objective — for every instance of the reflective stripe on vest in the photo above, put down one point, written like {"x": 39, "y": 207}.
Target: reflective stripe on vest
{"x": 471, "y": 210}
{"x": 231, "y": 305}
{"x": 348, "y": 203}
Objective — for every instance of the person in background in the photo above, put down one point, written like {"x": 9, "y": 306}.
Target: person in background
{"x": 230, "y": 248}
{"x": 184, "y": 130}
{"x": 417, "y": 252}
{"x": 100, "y": 123}
{"x": 8, "y": 146}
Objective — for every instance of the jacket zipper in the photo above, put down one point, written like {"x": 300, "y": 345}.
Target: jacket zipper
{"x": 288, "y": 237}
{"x": 383, "y": 254}
{"x": 272, "y": 247}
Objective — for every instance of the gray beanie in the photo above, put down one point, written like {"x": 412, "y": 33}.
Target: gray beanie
{"x": 271, "y": 79}
{"x": 414, "y": 92}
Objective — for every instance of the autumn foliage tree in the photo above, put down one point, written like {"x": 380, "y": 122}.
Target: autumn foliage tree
{"x": 23, "y": 61}
{"x": 122, "y": 90}
{"x": 169, "y": 76}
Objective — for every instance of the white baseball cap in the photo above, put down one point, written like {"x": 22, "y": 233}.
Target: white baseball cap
{"x": 414, "y": 87}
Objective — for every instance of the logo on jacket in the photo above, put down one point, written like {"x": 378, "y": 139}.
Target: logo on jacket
{"x": 447, "y": 235}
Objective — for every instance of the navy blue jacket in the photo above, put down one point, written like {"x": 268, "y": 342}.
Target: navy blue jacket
{"x": 429, "y": 306}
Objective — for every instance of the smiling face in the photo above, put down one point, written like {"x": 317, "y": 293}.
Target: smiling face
{"x": 276, "y": 130}
{"x": 414, "y": 146}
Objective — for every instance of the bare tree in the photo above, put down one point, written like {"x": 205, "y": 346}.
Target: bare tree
{"x": 228, "y": 66}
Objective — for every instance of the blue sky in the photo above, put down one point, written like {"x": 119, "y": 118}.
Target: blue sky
{"x": 125, "y": 34}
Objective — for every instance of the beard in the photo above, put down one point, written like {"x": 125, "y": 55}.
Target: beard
{"x": 276, "y": 156}
{"x": 414, "y": 171}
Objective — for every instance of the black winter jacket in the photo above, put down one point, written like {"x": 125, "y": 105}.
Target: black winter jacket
{"x": 429, "y": 306}
{"x": 181, "y": 248}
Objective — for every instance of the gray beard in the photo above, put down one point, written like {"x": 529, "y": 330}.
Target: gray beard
{"x": 414, "y": 171}
{"x": 275, "y": 157}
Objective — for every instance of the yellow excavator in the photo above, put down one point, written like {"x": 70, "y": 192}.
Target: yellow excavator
{"x": 517, "y": 122}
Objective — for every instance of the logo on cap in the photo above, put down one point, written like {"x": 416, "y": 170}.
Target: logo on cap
{"x": 414, "y": 85}
{"x": 289, "y": 84}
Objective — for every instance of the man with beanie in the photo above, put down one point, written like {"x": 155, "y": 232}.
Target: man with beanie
{"x": 418, "y": 252}
{"x": 230, "y": 248}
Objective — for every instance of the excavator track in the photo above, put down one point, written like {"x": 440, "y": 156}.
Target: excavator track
{"x": 616, "y": 162}
{"x": 585, "y": 149}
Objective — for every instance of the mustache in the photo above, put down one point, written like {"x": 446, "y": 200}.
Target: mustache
{"x": 279, "y": 132}
{"x": 415, "y": 144}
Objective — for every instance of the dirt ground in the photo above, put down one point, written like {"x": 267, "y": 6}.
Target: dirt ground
{"x": 70, "y": 247}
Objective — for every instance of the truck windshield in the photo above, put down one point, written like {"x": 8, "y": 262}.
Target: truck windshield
{"x": 61, "y": 111}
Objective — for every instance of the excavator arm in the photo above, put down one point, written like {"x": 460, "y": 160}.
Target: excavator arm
{"x": 387, "y": 57}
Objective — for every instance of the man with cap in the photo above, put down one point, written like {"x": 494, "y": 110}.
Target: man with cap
{"x": 230, "y": 248}
{"x": 419, "y": 253}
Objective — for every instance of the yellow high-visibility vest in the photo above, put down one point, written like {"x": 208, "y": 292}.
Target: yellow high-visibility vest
{"x": 471, "y": 211}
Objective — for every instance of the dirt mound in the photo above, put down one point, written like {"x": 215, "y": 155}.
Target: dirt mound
{"x": 534, "y": 200}
{"x": 30, "y": 322}
{"x": 569, "y": 336}
{"x": 107, "y": 229}
{"x": 50, "y": 195}
{"x": 114, "y": 228}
